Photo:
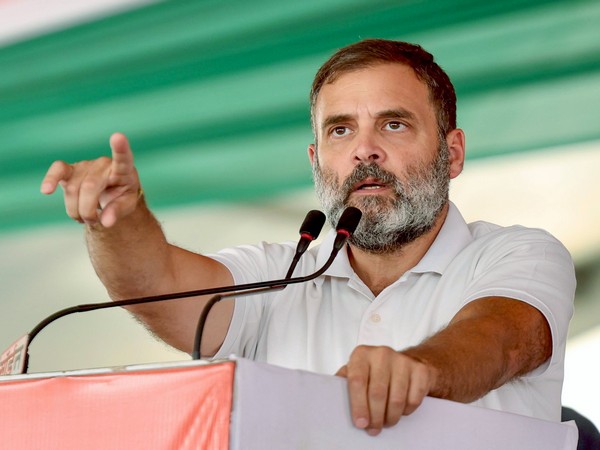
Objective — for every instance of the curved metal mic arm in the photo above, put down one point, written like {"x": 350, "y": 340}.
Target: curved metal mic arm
{"x": 165, "y": 297}
{"x": 150, "y": 299}
{"x": 310, "y": 229}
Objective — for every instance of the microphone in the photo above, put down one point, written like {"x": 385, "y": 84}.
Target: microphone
{"x": 309, "y": 231}
{"x": 346, "y": 226}
{"x": 20, "y": 352}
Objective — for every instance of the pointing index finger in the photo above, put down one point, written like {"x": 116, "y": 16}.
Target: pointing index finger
{"x": 122, "y": 156}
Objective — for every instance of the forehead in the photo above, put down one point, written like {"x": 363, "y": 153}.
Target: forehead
{"x": 379, "y": 87}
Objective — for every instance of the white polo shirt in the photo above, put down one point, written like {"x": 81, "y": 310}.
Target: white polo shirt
{"x": 316, "y": 325}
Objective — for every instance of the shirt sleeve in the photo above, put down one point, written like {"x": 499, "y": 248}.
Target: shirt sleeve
{"x": 529, "y": 265}
{"x": 249, "y": 264}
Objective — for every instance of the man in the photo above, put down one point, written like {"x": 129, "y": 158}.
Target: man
{"x": 419, "y": 303}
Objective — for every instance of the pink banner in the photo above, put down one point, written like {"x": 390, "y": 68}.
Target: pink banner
{"x": 179, "y": 408}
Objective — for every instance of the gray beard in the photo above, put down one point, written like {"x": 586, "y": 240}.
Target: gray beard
{"x": 387, "y": 223}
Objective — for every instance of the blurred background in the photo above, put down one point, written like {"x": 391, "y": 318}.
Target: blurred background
{"x": 213, "y": 96}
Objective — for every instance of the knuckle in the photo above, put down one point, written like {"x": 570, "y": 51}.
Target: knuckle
{"x": 384, "y": 353}
{"x": 103, "y": 160}
{"x": 359, "y": 350}
{"x": 73, "y": 214}
{"x": 356, "y": 379}
{"x": 397, "y": 402}
{"x": 422, "y": 389}
{"x": 378, "y": 391}
{"x": 71, "y": 189}
{"x": 413, "y": 403}
{"x": 57, "y": 165}
{"x": 411, "y": 407}
{"x": 377, "y": 353}
{"x": 89, "y": 185}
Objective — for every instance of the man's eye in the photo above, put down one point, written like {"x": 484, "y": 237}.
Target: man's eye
{"x": 395, "y": 126}
{"x": 339, "y": 131}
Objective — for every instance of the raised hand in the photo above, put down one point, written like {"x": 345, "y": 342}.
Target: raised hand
{"x": 103, "y": 190}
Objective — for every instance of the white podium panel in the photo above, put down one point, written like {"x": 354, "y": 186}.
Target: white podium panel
{"x": 276, "y": 408}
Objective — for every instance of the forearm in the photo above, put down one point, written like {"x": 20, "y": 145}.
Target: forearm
{"x": 465, "y": 370}
{"x": 131, "y": 258}
{"x": 486, "y": 345}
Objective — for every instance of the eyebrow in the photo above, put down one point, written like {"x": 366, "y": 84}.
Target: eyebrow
{"x": 336, "y": 118}
{"x": 397, "y": 113}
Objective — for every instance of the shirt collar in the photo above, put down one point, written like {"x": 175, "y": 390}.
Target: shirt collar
{"x": 451, "y": 239}
{"x": 341, "y": 264}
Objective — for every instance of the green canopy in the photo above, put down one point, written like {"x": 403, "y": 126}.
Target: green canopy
{"x": 213, "y": 94}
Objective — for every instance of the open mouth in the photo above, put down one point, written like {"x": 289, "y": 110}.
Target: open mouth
{"x": 369, "y": 185}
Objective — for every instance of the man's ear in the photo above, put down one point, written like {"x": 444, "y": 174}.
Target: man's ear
{"x": 312, "y": 153}
{"x": 456, "y": 149}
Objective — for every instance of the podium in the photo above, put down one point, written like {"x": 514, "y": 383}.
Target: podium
{"x": 238, "y": 404}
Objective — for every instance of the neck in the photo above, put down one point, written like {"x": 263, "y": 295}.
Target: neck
{"x": 378, "y": 271}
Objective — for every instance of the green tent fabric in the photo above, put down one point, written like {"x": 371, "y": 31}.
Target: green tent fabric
{"x": 213, "y": 95}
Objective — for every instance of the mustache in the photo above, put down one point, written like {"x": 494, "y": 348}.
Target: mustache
{"x": 364, "y": 171}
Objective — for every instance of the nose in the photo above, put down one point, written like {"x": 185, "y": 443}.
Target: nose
{"x": 368, "y": 149}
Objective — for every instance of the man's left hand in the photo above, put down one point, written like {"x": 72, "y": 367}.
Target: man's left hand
{"x": 384, "y": 385}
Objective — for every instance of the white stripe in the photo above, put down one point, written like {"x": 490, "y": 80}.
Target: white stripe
{"x": 23, "y": 19}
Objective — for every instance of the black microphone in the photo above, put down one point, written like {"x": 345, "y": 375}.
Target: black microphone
{"x": 346, "y": 226}
{"x": 309, "y": 231}
{"x": 24, "y": 342}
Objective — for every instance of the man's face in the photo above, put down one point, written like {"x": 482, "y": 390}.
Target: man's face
{"x": 379, "y": 150}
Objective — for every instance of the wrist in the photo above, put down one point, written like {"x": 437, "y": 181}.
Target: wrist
{"x": 433, "y": 372}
